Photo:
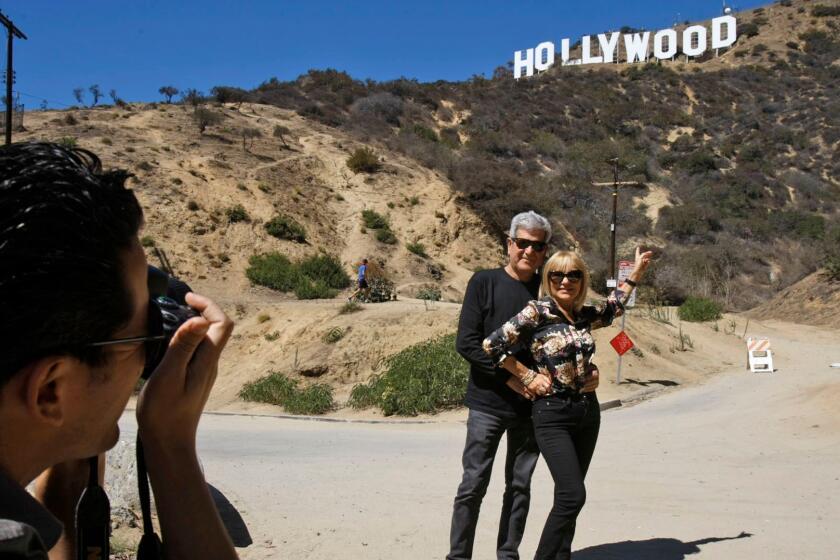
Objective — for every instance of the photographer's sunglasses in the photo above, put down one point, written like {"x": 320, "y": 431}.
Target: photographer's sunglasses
{"x": 538, "y": 246}
{"x": 557, "y": 276}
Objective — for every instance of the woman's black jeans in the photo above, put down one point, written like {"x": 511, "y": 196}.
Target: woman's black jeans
{"x": 566, "y": 427}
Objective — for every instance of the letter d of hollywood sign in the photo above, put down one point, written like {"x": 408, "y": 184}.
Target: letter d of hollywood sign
{"x": 695, "y": 42}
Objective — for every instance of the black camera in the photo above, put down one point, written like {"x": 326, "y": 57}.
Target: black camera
{"x": 168, "y": 310}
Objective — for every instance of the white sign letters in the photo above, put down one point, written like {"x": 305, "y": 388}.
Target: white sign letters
{"x": 694, "y": 41}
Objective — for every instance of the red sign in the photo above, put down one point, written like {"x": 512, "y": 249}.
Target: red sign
{"x": 621, "y": 343}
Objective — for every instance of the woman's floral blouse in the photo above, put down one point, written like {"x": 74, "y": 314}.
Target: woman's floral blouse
{"x": 561, "y": 350}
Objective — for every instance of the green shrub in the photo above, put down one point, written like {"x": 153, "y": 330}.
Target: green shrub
{"x": 426, "y": 132}
{"x": 333, "y": 335}
{"x": 192, "y": 206}
{"x": 326, "y": 269}
{"x": 278, "y": 389}
{"x": 822, "y": 10}
{"x": 68, "y": 142}
{"x": 417, "y": 248}
{"x": 414, "y": 201}
{"x": 386, "y": 236}
{"x": 284, "y": 227}
{"x": 699, "y": 162}
{"x": 275, "y": 388}
{"x": 306, "y": 288}
{"x": 315, "y": 399}
{"x": 364, "y": 160}
{"x": 422, "y": 379}
{"x": 147, "y": 241}
{"x": 263, "y": 317}
{"x": 831, "y": 264}
{"x": 272, "y": 270}
{"x": 431, "y": 293}
{"x": 374, "y": 220}
{"x": 698, "y": 309}
{"x": 748, "y": 29}
{"x": 349, "y": 307}
{"x": 237, "y": 214}
{"x": 801, "y": 224}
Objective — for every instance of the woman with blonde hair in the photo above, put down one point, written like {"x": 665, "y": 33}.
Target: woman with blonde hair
{"x": 557, "y": 329}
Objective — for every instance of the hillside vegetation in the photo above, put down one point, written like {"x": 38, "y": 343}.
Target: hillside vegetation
{"x": 736, "y": 153}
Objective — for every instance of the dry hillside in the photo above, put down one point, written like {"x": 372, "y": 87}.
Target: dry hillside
{"x": 186, "y": 180}
{"x": 814, "y": 301}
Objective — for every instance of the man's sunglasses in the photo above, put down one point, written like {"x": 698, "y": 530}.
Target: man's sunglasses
{"x": 523, "y": 244}
{"x": 153, "y": 341}
{"x": 557, "y": 276}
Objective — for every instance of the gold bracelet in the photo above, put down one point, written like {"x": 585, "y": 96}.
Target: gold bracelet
{"x": 529, "y": 378}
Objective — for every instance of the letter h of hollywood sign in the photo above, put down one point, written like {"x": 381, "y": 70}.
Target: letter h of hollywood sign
{"x": 694, "y": 43}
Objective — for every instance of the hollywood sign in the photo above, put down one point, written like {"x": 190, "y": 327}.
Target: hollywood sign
{"x": 636, "y": 45}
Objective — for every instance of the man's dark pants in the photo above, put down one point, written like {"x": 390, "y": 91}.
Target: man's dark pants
{"x": 484, "y": 431}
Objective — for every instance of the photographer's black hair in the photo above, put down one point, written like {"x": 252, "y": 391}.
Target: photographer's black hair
{"x": 64, "y": 225}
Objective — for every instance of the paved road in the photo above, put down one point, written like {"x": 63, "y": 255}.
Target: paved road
{"x": 741, "y": 466}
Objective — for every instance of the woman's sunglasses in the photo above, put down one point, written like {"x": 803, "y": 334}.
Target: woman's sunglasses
{"x": 557, "y": 276}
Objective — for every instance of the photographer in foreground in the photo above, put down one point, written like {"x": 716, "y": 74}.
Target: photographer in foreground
{"x": 72, "y": 276}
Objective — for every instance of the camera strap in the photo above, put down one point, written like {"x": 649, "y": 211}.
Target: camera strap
{"x": 93, "y": 518}
{"x": 150, "y": 545}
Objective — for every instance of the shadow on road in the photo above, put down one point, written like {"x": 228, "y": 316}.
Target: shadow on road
{"x": 234, "y": 523}
{"x": 663, "y": 382}
{"x": 651, "y": 549}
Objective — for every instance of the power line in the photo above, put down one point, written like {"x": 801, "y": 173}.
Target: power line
{"x": 50, "y": 101}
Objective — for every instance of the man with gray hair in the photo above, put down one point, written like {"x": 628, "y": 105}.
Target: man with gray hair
{"x": 498, "y": 402}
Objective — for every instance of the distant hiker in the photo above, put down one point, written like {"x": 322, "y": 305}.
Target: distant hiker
{"x": 362, "y": 280}
{"x": 79, "y": 331}
{"x": 556, "y": 331}
{"x": 498, "y": 401}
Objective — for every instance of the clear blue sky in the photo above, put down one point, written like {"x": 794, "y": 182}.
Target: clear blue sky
{"x": 136, "y": 46}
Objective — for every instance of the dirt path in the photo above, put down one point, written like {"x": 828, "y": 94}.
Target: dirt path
{"x": 743, "y": 466}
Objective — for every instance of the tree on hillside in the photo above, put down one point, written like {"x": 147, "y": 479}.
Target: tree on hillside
{"x": 248, "y": 135}
{"x": 192, "y": 97}
{"x": 280, "y": 132}
{"x": 168, "y": 92}
{"x": 96, "y": 93}
{"x": 113, "y": 95}
{"x": 79, "y": 93}
{"x": 225, "y": 94}
{"x": 205, "y": 117}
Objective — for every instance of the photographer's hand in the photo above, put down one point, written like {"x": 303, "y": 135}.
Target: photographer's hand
{"x": 168, "y": 412}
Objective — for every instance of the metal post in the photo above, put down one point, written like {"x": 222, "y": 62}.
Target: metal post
{"x": 614, "y": 213}
{"x": 618, "y": 373}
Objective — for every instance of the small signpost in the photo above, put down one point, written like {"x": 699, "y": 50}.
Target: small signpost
{"x": 622, "y": 343}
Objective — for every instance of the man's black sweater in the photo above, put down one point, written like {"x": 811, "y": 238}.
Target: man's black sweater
{"x": 493, "y": 297}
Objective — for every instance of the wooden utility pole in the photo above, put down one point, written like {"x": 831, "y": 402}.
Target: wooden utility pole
{"x": 13, "y": 32}
{"x": 615, "y": 184}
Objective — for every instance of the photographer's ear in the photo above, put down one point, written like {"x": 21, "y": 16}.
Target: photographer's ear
{"x": 45, "y": 388}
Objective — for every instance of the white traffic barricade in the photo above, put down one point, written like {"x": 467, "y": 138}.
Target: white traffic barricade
{"x": 759, "y": 355}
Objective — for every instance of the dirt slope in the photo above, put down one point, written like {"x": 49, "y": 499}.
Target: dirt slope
{"x": 813, "y": 300}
